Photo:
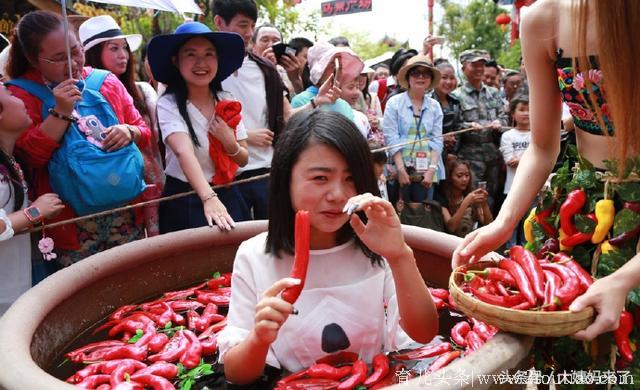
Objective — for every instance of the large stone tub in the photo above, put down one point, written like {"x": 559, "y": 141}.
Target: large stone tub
{"x": 44, "y": 321}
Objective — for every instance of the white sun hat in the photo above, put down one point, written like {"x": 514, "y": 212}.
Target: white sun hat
{"x": 104, "y": 28}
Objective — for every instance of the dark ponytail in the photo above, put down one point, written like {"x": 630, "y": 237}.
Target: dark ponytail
{"x": 25, "y": 44}
{"x": 16, "y": 183}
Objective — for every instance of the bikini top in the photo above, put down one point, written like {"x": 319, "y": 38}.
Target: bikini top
{"x": 575, "y": 94}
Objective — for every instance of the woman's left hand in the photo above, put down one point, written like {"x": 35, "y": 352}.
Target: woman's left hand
{"x": 221, "y": 130}
{"x": 382, "y": 233}
{"x": 427, "y": 178}
{"x": 607, "y": 297}
{"x": 118, "y": 136}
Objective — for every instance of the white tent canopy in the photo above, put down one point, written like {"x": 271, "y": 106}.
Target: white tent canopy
{"x": 177, "y": 6}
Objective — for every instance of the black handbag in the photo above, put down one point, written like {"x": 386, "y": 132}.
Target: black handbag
{"x": 427, "y": 214}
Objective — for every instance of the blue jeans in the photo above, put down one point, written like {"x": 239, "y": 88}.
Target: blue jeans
{"x": 255, "y": 195}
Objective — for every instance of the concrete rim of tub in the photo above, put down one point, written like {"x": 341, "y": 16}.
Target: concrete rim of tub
{"x": 19, "y": 324}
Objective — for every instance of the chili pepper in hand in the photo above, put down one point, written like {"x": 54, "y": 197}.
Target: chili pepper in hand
{"x": 570, "y": 288}
{"x": 531, "y": 267}
{"x": 624, "y": 237}
{"x": 93, "y": 381}
{"x": 474, "y": 341}
{"x": 605, "y": 212}
{"x": 154, "y": 381}
{"x": 576, "y": 199}
{"x": 551, "y": 245}
{"x": 302, "y": 237}
{"x": 621, "y": 336}
{"x": 224, "y": 280}
{"x": 424, "y": 352}
{"x": 541, "y": 218}
{"x": 633, "y": 206}
{"x": 552, "y": 284}
{"x": 358, "y": 375}
{"x": 459, "y": 332}
{"x": 163, "y": 369}
{"x": 157, "y": 342}
{"x": 321, "y": 370}
{"x": 528, "y": 226}
{"x": 521, "y": 279}
{"x": 173, "y": 350}
{"x": 380, "y": 370}
{"x": 444, "y": 360}
{"x": 584, "y": 277}
{"x": 191, "y": 356}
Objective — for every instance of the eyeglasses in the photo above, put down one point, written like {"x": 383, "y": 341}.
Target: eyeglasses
{"x": 76, "y": 52}
{"x": 420, "y": 73}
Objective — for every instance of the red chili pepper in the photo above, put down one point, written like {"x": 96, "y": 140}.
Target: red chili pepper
{"x": 155, "y": 381}
{"x": 459, "y": 332}
{"x": 541, "y": 218}
{"x": 621, "y": 336}
{"x": 523, "y": 306}
{"x": 339, "y": 358}
{"x": 129, "y": 326}
{"x": 358, "y": 376}
{"x": 531, "y": 267}
{"x": 576, "y": 199}
{"x": 484, "y": 330}
{"x": 310, "y": 384}
{"x": 163, "y": 369}
{"x": 93, "y": 381}
{"x": 430, "y": 350}
{"x": 452, "y": 303}
{"x": 209, "y": 345}
{"x": 624, "y": 237}
{"x": 302, "y": 236}
{"x": 122, "y": 386}
{"x": 321, "y": 370}
{"x": 94, "y": 346}
{"x": 444, "y": 360}
{"x": 498, "y": 300}
{"x": 112, "y": 353}
{"x": 440, "y": 293}
{"x": 552, "y": 284}
{"x": 570, "y": 288}
{"x": 224, "y": 280}
{"x": 182, "y": 294}
{"x": 219, "y": 297}
{"x": 439, "y": 303}
{"x": 215, "y": 328}
{"x": 292, "y": 377}
{"x": 474, "y": 341}
{"x": 125, "y": 368}
{"x": 122, "y": 311}
{"x": 191, "y": 356}
{"x": 502, "y": 289}
{"x": 173, "y": 349}
{"x": 192, "y": 319}
{"x": 91, "y": 369}
{"x": 184, "y": 305}
{"x": 157, "y": 342}
{"x": 633, "y": 206}
{"x": 497, "y": 274}
{"x": 492, "y": 287}
{"x": 149, "y": 332}
{"x": 164, "y": 312}
{"x": 391, "y": 377}
{"x": 208, "y": 317}
{"x": 380, "y": 369}
{"x": 583, "y": 276}
{"x": 521, "y": 279}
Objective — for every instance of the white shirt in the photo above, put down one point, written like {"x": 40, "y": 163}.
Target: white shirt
{"x": 343, "y": 290}
{"x": 362, "y": 123}
{"x": 248, "y": 86}
{"x": 512, "y": 145}
{"x": 170, "y": 121}
{"x": 15, "y": 252}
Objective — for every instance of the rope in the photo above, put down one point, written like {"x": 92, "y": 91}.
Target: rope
{"x": 243, "y": 181}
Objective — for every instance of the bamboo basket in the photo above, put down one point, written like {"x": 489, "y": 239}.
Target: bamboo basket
{"x": 533, "y": 323}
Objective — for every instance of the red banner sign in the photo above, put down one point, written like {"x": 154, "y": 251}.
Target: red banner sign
{"x": 344, "y": 7}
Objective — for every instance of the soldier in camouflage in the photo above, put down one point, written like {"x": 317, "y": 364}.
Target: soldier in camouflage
{"x": 482, "y": 108}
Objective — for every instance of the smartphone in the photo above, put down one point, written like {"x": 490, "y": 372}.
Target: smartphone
{"x": 336, "y": 70}
{"x": 93, "y": 129}
{"x": 482, "y": 185}
{"x": 280, "y": 49}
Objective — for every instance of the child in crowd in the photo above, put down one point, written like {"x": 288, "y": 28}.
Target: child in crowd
{"x": 322, "y": 165}
{"x": 512, "y": 146}
{"x": 379, "y": 160}
{"x": 351, "y": 94}
{"x": 463, "y": 207}
{"x": 201, "y": 146}
{"x": 15, "y": 216}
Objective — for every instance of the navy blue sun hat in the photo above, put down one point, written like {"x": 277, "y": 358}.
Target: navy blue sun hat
{"x": 162, "y": 48}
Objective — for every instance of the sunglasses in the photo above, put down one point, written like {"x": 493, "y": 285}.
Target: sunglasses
{"x": 420, "y": 73}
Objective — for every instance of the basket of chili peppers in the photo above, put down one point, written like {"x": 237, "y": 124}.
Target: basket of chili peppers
{"x": 524, "y": 294}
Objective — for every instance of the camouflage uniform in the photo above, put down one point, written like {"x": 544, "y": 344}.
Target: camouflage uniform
{"x": 480, "y": 147}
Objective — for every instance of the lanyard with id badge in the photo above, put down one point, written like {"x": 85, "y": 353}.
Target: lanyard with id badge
{"x": 419, "y": 160}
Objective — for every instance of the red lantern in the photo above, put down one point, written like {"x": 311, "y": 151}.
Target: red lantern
{"x": 503, "y": 20}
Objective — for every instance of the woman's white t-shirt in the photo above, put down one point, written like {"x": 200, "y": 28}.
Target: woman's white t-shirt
{"x": 170, "y": 121}
{"x": 341, "y": 308}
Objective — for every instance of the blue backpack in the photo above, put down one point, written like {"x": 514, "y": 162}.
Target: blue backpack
{"x": 86, "y": 177}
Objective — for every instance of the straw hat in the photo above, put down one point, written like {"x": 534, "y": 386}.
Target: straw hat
{"x": 104, "y": 28}
{"x": 414, "y": 62}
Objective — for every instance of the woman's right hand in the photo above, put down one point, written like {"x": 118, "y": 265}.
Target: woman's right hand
{"x": 480, "y": 242}
{"x": 475, "y": 197}
{"x": 66, "y": 94}
{"x": 215, "y": 212}
{"x": 49, "y": 205}
{"x": 272, "y": 311}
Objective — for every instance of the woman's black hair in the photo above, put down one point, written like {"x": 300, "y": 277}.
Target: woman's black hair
{"x": 16, "y": 184}
{"x": 303, "y": 130}
{"x": 178, "y": 88}
{"x": 365, "y": 91}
